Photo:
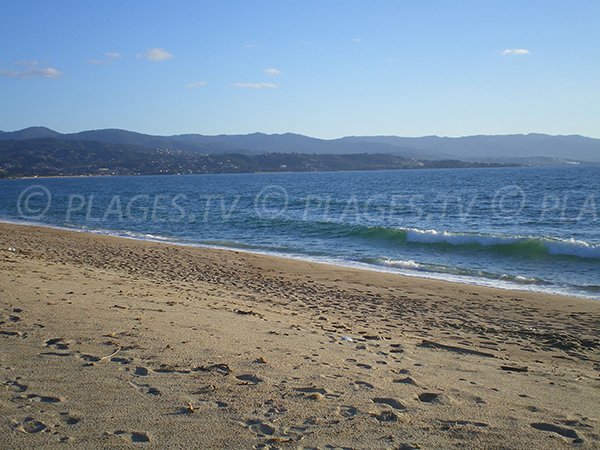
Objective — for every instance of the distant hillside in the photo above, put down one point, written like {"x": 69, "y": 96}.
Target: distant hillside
{"x": 54, "y": 157}
{"x": 487, "y": 148}
{"x": 246, "y": 143}
{"x": 507, "y": 148}
{"x": 30, "y": 133}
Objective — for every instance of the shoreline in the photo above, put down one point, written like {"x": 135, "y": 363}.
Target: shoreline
{"x": 95, "y": 175}
{"x": 294, "y": 266}
{"x": 111, "y": 342}
{"x": 444, "y": 278}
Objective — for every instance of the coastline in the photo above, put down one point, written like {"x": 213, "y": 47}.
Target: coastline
{"x": 434, "y": 276}
{"x": 234, "y": 349}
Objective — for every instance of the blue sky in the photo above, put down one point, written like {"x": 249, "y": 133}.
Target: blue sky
{"x": 321, "y": 68}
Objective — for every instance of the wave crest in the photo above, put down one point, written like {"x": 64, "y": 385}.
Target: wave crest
{"x": 525, "y": 246}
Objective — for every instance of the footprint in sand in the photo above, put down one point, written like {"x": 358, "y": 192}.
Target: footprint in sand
{"x": 312, "y": 390}
{"x": 273, "y": 409}
{"x": 432, "y": 397}
{"x": 15, "y": 386}
{"x": 386, "y": 416}
{"x": 120, "y": 360}
{"x": 396, "y": 348}
{"x": 347, "y": 411}
{"x": 57, "y": 344}
{"x": 90, "y": 360}
{"x": 223, "y": 369}
{"x": 136, "y": 437}
{"x": 30, "y": 425}
{"x": 260, "y": 428}
{"x": 406, "y": 380}
{"x": 40, "y": 398}
{"x": 447, "y": 424}
{"x": 146, "y": 389}
{"x": 248, "y": 378}
{"x": 389, "y": 401}
{"x": 312, "y": 393}
{"x": 68, "y": 419}
{"x": 408, "y": 447}
{"x": 153, "y": 391}
{"x": 206, "y": 389}
{"x": 13, "y": 333}
{"x": 364, "y": 385}
{"x": 141, "y": 371}
{"x": 562, "y": 431}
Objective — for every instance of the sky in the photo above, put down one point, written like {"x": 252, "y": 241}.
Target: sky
{"x": 320, "y": 68}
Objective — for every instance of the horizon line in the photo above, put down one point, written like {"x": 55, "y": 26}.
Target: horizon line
{"x": 304, "y": 135}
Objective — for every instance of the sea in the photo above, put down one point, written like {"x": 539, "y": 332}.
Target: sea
{"x": 534, "y": 229}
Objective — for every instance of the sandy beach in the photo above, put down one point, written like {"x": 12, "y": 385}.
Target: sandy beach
{"x": 109, "y": 342}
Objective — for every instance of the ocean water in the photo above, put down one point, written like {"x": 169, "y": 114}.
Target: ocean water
{"x": 525, "y": 228}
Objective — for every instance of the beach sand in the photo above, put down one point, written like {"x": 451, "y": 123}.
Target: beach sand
{"x": 109, "y": 342}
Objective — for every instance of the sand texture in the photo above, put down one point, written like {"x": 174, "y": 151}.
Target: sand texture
{"x": 108, "y": 342}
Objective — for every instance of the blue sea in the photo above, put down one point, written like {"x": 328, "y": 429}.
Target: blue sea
{"x": 525, "y": 228}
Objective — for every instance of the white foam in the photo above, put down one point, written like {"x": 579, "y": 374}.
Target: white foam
{"x": 573, "y": 247}
{"x": 408, "y": 271}
{"x": 554, "y": 246}
{"x": 404, "y": 264}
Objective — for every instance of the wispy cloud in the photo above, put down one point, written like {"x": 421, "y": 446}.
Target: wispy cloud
{"x": 357, "y": 40}
{"x": 109, "y": 58}
{"x": 155, "y": 55}
{"x": 31, "y": 70}
{"x": 273, "y": 72}
{"x": 250, "y": 45}
{"x": 515, "y": 52}
{"x": 256, "y": 85}
{"x": 27, "y": 62}
{"x": 196, "y": 84}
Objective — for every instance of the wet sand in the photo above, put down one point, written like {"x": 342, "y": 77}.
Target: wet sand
{"x": 109, "y": 342}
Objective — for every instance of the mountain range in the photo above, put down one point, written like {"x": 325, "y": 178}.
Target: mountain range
{"x": 57, "y": 157}
{"x": 528, "y": 149}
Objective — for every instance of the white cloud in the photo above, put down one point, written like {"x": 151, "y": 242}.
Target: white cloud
{"x": 155, "y": 55}
{"x": 48, "y": 72}
{"x": 27, "y": 62}
{"x": 515, "y": 51}
{"x": 273, "y": 72}
{"x": 357, "y": 40}
{"x": 256, "y": 85}
{"x": 110, "y": 58}
{"x": 196, "y": 84}
{"x": 32, "y": 71}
